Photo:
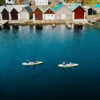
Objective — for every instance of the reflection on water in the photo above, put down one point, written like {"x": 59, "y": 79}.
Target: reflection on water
{"x": 78, "y": 28}
{"x": 0, "y": 28}
{"x": 34, "y": 67}
{"x": 27, "y": 66}
{"x": 77, "y": 32}
{"x": 47, "y": 81}
{"x": 39, "y": 27}
{"x": 15, "y": 29}
{"x": 31, "y": 28}
{"x": 6, "y": 26}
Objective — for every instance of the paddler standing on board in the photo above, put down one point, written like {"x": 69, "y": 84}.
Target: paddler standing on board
{"x": 64, "y": 62}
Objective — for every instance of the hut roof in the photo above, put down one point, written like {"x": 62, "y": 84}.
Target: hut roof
{"x": 74, "y": 6}
{"x": 1, "y": 9}
{"x": 28, "y": 9}
{"x": 58, "y": 7}
{"x": 97, "y": 5}
{"x": 9, "y": 8}
{"x": 40, "y": 9}
{"x": 18, "y": 8}
{"x": 48, "y": 8}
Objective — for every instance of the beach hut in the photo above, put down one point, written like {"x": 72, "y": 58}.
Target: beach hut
{"x": 14, "y": 14}
{"x": 62, "y": 12}
{"x": 11, "y": 12}
{"x": 26, "y": 13}
{"x": 49, "y": 14}
{"x": 78, "y": 12}
{"x": 89, "y": 10}
{"x": 5, "y": 14}
{"x": 38, "y": 14}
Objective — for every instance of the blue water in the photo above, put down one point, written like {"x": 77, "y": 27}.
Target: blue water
{"x": 48, "y": 82}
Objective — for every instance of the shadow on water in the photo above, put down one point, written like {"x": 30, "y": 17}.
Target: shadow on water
{"x": 39, "y": 27}
{"x": 0, "y": 28}
{"x": 33, "y": 67}
{"x": 27, "y": 66}
{"x": 78, "y": 28}
{"x": 77, "y": 34}
{"x": 77, "y": 31}
{"x": 6, "y": 26}
{"x": 16, "y": 27}
{"x": 15, "y": 31}
{"x": 31, "y": 28}
{"x": 64, "y": 69}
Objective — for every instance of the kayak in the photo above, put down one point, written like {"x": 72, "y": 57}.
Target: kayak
{"x": 32, "y": 63}
{"x": 68, "y": 65}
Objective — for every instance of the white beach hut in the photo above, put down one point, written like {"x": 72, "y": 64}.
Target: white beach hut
{"x": 49, "y": 14}
{"x": 62, "y": 12}
{"x": 26, "y": 13}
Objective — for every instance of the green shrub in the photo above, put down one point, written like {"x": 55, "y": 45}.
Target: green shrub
{"x": 2, "y": 2}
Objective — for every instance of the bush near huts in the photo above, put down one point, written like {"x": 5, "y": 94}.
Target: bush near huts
{"x": 2, "y": 2}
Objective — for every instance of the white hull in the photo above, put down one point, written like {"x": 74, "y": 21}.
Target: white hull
{"x": 68, "y": 65}
{"x": 32, "y": 63}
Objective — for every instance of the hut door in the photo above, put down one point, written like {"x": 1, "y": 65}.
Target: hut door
{"x": 14, "y": 15}
{"x": 90, "y": 11}
{"x": 38, "y": 17}
{"x": 38, "y": 14}
{"x": 5, "y": 15}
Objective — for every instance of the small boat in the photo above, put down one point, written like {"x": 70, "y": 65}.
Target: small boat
{"x": 69, "y": 26}
{"x": 68, "y": 65}
{"x": 32, "y": 63}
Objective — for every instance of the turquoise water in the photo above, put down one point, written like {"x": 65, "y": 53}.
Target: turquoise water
{"x": 51, "y": 45}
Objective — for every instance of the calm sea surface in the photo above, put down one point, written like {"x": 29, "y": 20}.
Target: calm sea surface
{"x": 51, "y": 45}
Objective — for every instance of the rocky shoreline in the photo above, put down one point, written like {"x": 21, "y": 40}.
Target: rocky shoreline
{"x": 49, "y": 22}
{"x": 45, "y": 22}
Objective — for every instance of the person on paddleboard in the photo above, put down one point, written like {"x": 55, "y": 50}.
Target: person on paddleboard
{"x": 64, "y": 62}
{"x": 27, "y": 61}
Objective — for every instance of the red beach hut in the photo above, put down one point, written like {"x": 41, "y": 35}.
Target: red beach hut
{"x": 78, "y": 12}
